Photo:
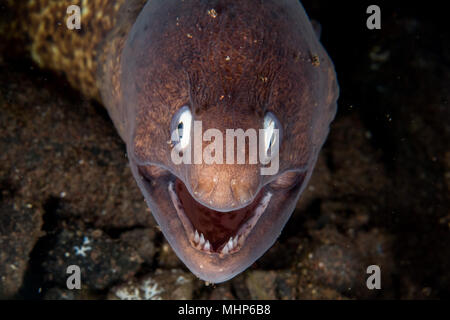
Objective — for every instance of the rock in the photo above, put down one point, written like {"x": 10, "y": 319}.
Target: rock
{"x": 66, "y": 294}
{"x": 286, "y": 283}
{"x": 331, "y": 261}
{"x": 20, "y": 228}
{"x": 102, "y": 260}
{"x": 142, "y": 241}
{"x": 280, "y": 255}
{"x": 261, "y": 284}
{"x": 239, "y": 285}
{"x": 337, "y": 266}
{"x": 221, "y": 291}
{"x": 376, "y": 248}
{"x": 312, "y": 292}
{"x": 63, "y": 151}
{"x": 61, "y": 294}
{"x": 162, "y": 285}
{"x": 270, "y": 285}
{"x": 167, "y": 257}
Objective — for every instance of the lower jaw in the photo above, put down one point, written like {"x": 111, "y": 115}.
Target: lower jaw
{"x": 236, "y": 240}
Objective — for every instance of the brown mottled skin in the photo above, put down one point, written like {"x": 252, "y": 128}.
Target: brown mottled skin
{"x": 229, "y": 66}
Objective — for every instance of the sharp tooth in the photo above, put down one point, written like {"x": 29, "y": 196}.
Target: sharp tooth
{"x": 207, "y": 246}
{"x": 202, "y": 239}
{"x": 241, "y": 240}
{"x": 225, "y": 249}
{"x": 235, "y": 241}
{"x": 196, "y": 237}
{"x": 230, "y": 244}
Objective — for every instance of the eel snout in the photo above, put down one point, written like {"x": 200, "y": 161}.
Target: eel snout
{"x": 224, "y": 187}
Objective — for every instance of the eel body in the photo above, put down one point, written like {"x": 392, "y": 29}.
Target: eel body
{"x": 158, "y": 66}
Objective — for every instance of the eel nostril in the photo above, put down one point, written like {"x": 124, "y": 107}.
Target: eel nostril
{"x": 245, "y": 197}
{"x": 242, "y": 191}
{"x": 205, "y": 186}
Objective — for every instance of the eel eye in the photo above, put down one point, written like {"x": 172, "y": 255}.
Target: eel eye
{"x": 181, "y": 127}
{"x": 272, "y": 135}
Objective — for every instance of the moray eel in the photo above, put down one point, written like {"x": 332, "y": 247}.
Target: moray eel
{"x": 158, "y": 66}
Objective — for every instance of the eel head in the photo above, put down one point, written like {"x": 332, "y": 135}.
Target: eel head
{"x": 191, "y": 71}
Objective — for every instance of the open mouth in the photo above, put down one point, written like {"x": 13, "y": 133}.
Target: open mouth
{"x": 213, "y": 231}
{"x": 216, "y": 232}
